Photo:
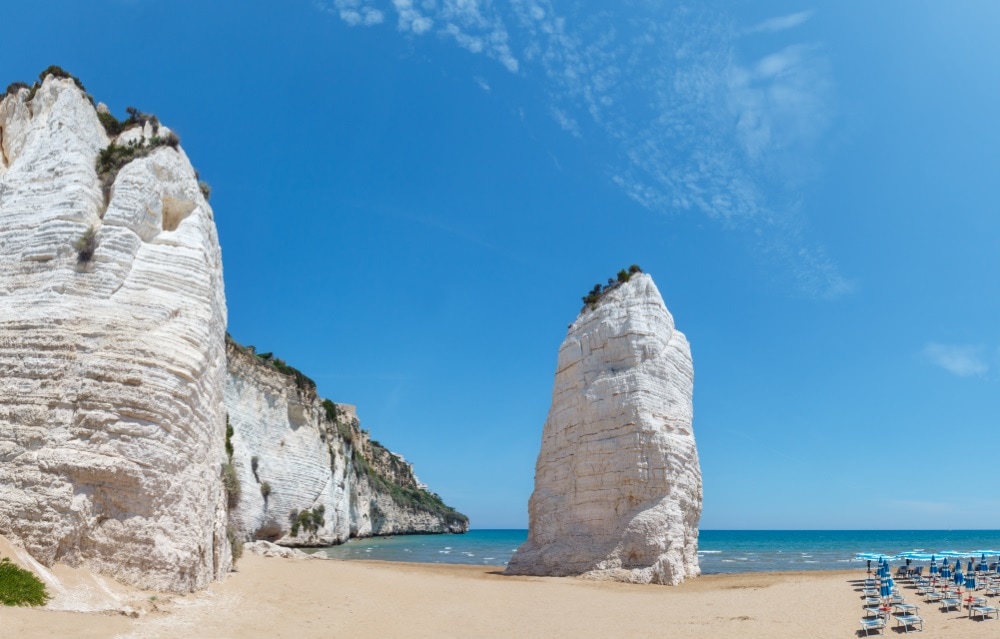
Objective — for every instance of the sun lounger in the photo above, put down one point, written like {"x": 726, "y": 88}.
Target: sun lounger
{"x": 983, "y": 611}
{"x": 909, "y": 621}
{"x": 951, "y": 604}
{"x": 876, "y": 625}
{"x": 906, "y": 608}
{"x": 933, "y": 596}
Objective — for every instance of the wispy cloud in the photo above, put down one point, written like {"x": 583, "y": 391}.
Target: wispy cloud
{"x": 693, "y": 123}
{"x": 781, "y": 23}
{"x": 961, "y": 360}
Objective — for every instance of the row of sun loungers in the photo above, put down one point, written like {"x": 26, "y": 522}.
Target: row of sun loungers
{"x": 947, "y": 597}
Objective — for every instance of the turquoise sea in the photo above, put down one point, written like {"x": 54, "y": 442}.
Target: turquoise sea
{"x": 719, "y": 550}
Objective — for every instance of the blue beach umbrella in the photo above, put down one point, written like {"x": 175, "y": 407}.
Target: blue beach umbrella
{"x": 970, "y": 582}
{"x": 969, "y": 568}
{"x": 884, "y": 590}
{"x": 958, "y": 573}
{"x": 945, "y": 570}
{"x": 934, "y": 567}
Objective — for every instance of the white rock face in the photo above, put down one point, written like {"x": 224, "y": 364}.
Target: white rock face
{"x": 310, "y": 462}
{"x": 111, "y": 371}
{"x": 617, "y": 484}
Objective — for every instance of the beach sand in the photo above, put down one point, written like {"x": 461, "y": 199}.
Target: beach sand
{"x": 272, "y": 597}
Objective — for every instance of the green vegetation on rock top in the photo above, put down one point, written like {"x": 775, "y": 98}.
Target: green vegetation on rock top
{"x": 594, "y": 296}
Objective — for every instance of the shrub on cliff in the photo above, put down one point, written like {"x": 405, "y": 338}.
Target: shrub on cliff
{"x": 20, "y": 587}
{"x": 14, "y": 87}
{"x": 86, "y": 245}
{"x": 112, "y": 158}
{"x": 235, "y": 543}
{"x": 594, "y": 296}
{"x": 231, "y": 482}
{"x": 310, "y": 520}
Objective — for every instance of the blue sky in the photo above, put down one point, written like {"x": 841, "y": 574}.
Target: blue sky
{"x": 413, "y": 195}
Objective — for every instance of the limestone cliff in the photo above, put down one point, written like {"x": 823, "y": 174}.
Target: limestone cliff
{"x": 112, "y": 358}
{"x": 308, "y": 474}
{"x": 114, "y": 378}
{"x": 617, "y": 484}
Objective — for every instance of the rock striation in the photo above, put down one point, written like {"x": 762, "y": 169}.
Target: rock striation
{"x": 618, "y": 490}
{"x": 112, "y": 357}
{"x": 116, "y": 375}
{"x": 309, "y": 475}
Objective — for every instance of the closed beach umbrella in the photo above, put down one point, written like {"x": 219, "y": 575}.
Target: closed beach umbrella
{"x": 969, "y": 568}
{"x": 982, "y": 562}
{"x": 945, "y": 570}
{"x": 884, "y": 590}
{"x": 970, "y": 582}
{"x": 933, "y": 566}
{"x": 958, "y": 573}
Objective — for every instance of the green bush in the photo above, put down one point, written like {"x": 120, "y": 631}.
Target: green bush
{"x": 20, "y": 587}
{"x": 310, "y": 520}
{"x": 594, "y": 296}
{"x": 59, "y": 72}
{"x": 301, "y": 380}
{"x": 231, "y": 482}
{"x": 112, "y": 158}
{"x": 14, "y": 87}
{"x": 229, "y": 441}
{"x": 86, "y": 245}
{"x": 235, "y": 543}
{"x": 330, "y": 409}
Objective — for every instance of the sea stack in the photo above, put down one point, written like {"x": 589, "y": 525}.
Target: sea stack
{"x": 618, "y": 490}
{"x": 112, "y": 344}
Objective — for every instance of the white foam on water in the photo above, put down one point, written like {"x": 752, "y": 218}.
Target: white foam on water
{"x": 709, "y": 552}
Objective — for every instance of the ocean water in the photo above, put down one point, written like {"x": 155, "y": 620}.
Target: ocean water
{"x": 719, "y": 551}
{"x": 483, "y": 547}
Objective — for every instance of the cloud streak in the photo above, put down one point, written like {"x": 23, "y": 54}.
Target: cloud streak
{"x": 693, "y": 124}
{"x": 961, "y": 360}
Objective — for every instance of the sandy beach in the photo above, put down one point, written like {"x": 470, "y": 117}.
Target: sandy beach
{"x": 272, "y": 597}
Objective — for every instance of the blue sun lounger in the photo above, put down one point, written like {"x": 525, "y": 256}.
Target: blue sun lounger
{"x": 876, "y": 625}
{"x": 909, "y": 621}
{"x": 983, "y": 611}
{"x": 951, "y": 604}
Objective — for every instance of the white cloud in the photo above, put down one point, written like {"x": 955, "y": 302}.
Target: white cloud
{"x": 566, "y": 122}
{"x": 692, "y": 124}
{"x": 961, "y": 360}
{"x": 355, "y": 12}
{"x": 781, "y": 23}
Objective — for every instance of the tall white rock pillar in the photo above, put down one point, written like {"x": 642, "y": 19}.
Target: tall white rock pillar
{"x": 618, "y": 490}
